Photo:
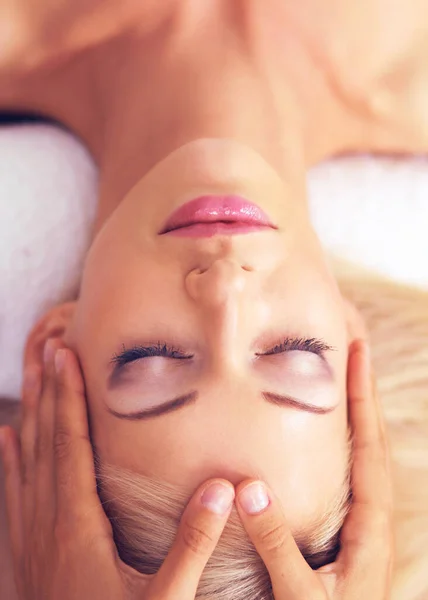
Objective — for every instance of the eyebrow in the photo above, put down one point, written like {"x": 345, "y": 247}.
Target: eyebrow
{"x": 280, "y": 400}
{"x": 188, "y": 399}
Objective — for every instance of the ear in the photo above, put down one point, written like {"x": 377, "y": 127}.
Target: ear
{"x": 357, "y": 329}
{"x": 55, "y": 323}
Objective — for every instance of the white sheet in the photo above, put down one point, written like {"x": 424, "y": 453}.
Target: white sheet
{"x": 371, "y": 211}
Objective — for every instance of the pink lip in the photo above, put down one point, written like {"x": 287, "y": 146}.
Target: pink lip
{"x": 210, "y": 215}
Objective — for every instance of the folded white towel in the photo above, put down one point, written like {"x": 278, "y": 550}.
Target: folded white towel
{"x": 371, "y": 211}
{"x": 374, "y": 211}
{"x": 48, "y": 188}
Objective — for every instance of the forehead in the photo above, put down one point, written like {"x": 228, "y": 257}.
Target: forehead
{"x": 303, "y": 459}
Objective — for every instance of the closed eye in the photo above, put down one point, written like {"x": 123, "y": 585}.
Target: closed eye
{"x": 162, "y": 349}
{"x": 291, "y": 344}
{"x": 159, "y": 349}
{"x": 165, "y": 350}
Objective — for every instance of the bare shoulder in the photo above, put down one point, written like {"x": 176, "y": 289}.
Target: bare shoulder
{"x": 38, "y": 33}
{"x": 46, "y": 48}
{"x": 375, "y": 56}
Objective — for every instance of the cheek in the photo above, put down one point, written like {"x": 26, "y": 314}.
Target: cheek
{"x": 312, "y": 470}
{"x": 318, "y": 448}
{"x": 119, "y": 304}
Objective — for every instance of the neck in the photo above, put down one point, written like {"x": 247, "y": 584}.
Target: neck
{"x": 208, "y": 76}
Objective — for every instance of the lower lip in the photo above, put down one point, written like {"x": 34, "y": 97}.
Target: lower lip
{"x": 217, "y": 228}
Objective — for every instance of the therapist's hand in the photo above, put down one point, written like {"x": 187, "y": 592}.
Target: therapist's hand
{"x": 61, "y": 539}
{"x": 362, "y": 570}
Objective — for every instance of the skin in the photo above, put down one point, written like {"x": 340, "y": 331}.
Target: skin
{"x": 267, "y": 94}
{"x": 62, "y": 542}
{"x": 222, "y": 300}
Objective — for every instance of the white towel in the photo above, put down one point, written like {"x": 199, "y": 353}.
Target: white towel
{"x": 372, "y": 211}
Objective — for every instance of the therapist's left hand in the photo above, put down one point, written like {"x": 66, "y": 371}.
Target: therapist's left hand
{"x": 363, "y": 567}
{"x": 61, "y": 539}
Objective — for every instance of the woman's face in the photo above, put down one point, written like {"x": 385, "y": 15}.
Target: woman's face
{"x": 218, "y": 356}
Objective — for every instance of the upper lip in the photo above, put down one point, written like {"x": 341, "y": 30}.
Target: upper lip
{"x": 214, "y": 209}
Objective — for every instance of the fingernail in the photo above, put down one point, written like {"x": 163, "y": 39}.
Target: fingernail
{"x": 254, "y": 498}
{"x": 59, "y": 360}
{"x": 218, "y": 498}
{"x": 48, "y": 352}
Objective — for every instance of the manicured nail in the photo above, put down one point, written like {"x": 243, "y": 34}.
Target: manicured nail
{"x": 59, "y": 360}
{"x": 253, "y": 498}
{"x": 48, "y": 352}
{"x": 218, "y": 498}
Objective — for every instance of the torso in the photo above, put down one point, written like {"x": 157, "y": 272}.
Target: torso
{"x": 373, "y": 55}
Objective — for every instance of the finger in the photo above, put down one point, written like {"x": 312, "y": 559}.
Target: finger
{"x": 11, "y": 463}
{"x": 52, "y": 325}
{"x": 264, "y": 521}
{"x": 370, "y": 474}
{"x": 46, "y": 404}
{"x": 44, "y": 494}
{"x": 200, "y": 529}
{"x": 74, "y": 462}
{"x": 30, "y": 396}
{"x": 366, "y": 535}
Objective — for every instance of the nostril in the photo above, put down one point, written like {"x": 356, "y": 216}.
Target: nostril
{"x": 201, "y": 271}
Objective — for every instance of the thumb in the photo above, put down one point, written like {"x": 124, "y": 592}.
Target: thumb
{"x": 200, "y": 529}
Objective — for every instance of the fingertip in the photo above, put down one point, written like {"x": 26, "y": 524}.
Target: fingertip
{"x": 60, "y": 360}
{"x": 360, "y": 345}
{"x": 68, "y": 370}
{"x": 253, "y": 497}
{"x": 48, "y": 351}
{"x": 217, "y": 496}
{"x": 52, "y": 345}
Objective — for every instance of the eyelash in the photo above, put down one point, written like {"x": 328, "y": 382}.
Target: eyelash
{"x": 158, "y": 349}
{"x": 161, "y": 349}
{"x": 299, "y": 344}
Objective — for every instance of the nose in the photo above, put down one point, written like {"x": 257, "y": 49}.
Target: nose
{"x": 224, "y": 295}
{"x": 217, "y": 284}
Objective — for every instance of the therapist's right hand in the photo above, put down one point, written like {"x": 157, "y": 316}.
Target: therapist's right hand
{"x": 363, "y": 566}
{"x": 61, "y": 539}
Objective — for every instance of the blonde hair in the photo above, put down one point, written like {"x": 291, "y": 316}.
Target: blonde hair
{"x": 397, "y": 321}
{"x": 145, "y": 513}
